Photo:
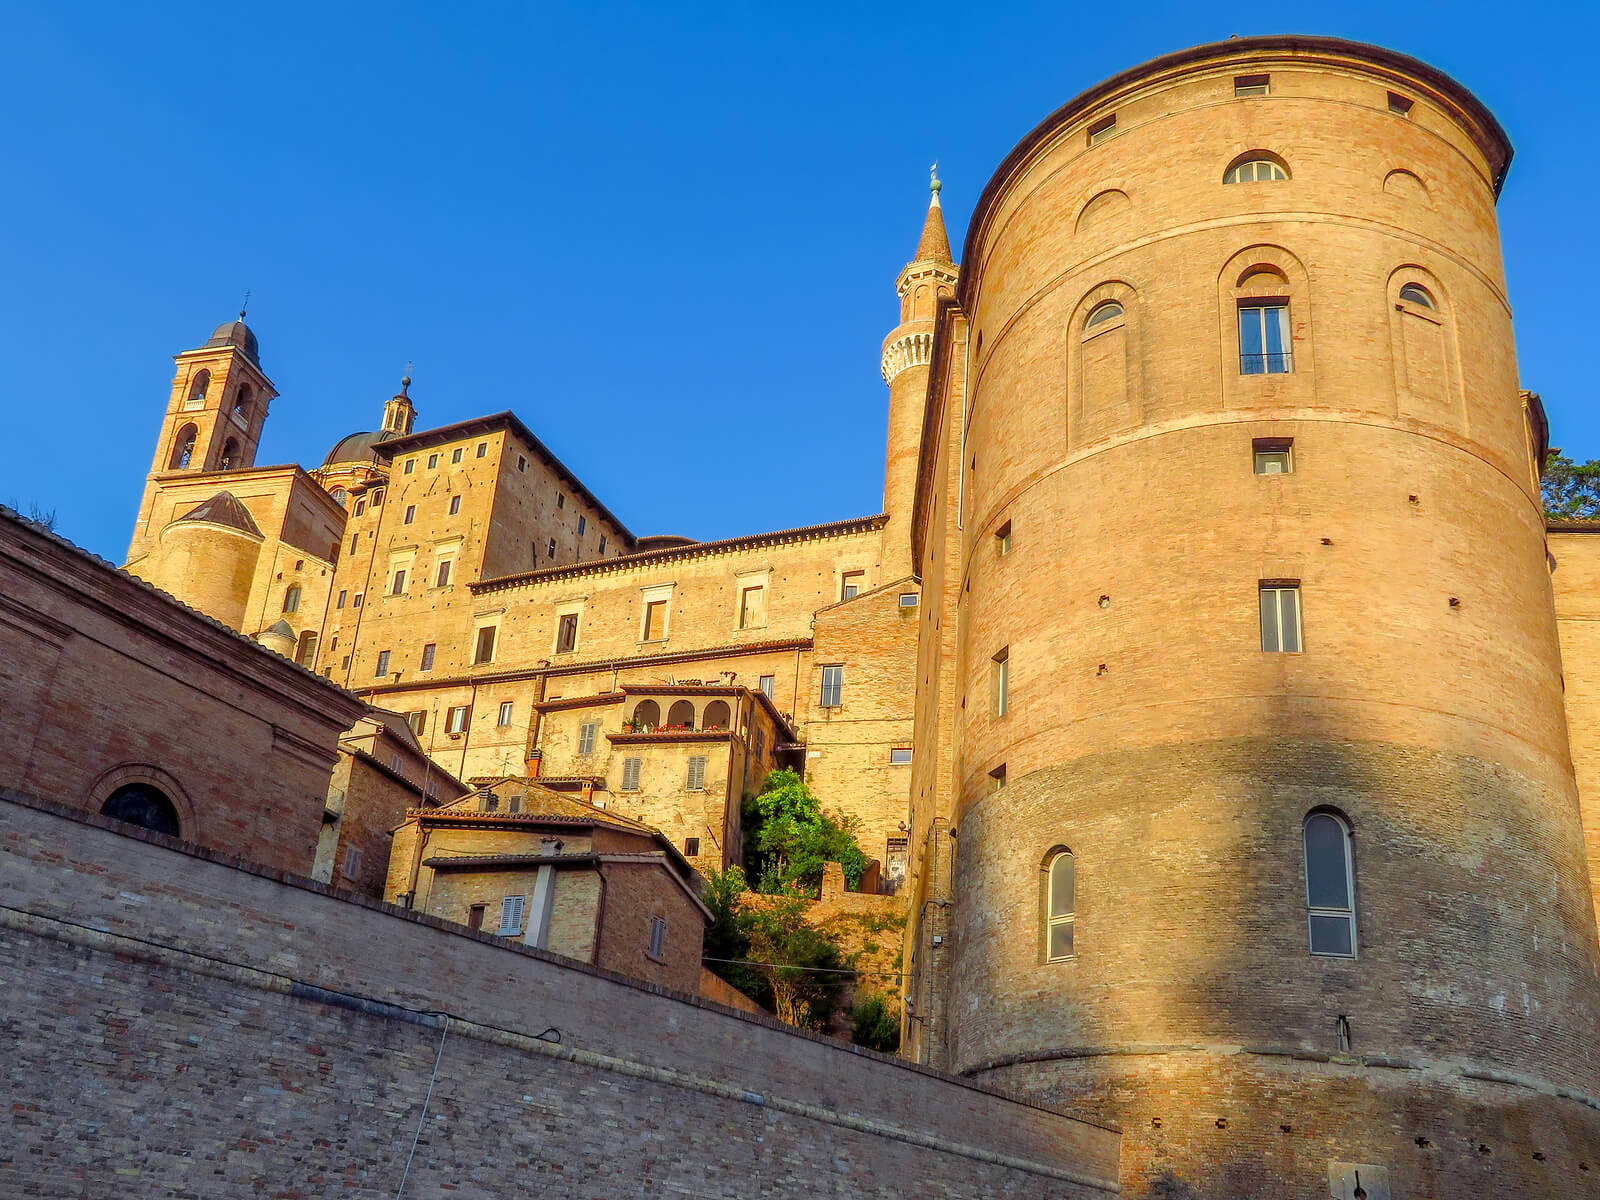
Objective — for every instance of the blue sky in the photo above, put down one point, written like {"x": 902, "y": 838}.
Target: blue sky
{"x": 665, "y": 235}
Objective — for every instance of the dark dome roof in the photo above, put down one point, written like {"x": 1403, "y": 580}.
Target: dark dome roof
{"x": 358, "y": 447}
{"x": 222, "y": 509}
{"x": 237, "y": 333}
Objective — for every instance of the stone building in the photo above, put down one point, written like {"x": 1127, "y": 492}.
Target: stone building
{"x": 1202, "y": 676}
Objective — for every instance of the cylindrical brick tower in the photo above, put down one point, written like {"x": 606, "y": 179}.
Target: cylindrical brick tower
{"x": 1269, "y": 847}
{"x": 207, "y": 558}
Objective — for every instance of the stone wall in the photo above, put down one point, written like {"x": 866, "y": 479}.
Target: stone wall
{"x": 178, "y": 1023}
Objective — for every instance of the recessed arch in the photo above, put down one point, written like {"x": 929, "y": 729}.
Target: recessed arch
{"x": 244, "y": 402}
{"x": 135, "y": 788}
{"x": 717, "y": 715}
{"x": 1256, "y": 166}
{"x": 230, "y": 459}
{"x": 143, "y": 805}
{"x": 1415, "y": 293}
{"x": 1103, "y": 363}
{"x": 646, "y": 716}
{"x": 681, "y": 714}
{"x": 1265, "y": 319}
{"x": 1263, "y": 274}
{"x": 1101, "y": 207}
{"x": 198, "y": 387}
{"x": 183, "y": 447}
{"x": 1408, "y": 186}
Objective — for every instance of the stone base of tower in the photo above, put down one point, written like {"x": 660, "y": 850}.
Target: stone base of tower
{"x": 1226, "y": 1124}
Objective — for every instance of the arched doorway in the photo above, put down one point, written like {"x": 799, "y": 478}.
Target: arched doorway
{"x": 716, "y": 715}
{"x": 646, "y": 716}
{"x": 144, "y": 805}
{"x": 681, "y": 715}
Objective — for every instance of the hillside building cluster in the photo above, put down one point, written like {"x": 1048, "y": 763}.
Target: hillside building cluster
{"x": 1210, "y": 686}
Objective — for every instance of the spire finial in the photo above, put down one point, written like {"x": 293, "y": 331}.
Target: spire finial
{"x": 933, "y": 179}
{"x": 244, "y": 304}
{"x": 405, "y": 381}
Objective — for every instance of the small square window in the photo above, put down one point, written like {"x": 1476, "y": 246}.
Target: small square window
{"x": 1002, "y": 539}
{"x": 433, "y": 461}
{"x": 455, "y": 505}
{"x": 411, "y": 466}
{"x": 1400, "y": 105}
{"x": 483, "y": 449}
{"x": 691, "y": 847}
{"x": 505, "y": 714}
{"x": 356, "y": 602}
{"x": 900, "y": 756}
{"x": 455, "y": 455}
{"x": 908, "y": 599}
{"x": 1273, "y": 456}
{"x": 1251, "y": 85}
{"x": 522, "y": 462}
{"x": 1102, "y": 129}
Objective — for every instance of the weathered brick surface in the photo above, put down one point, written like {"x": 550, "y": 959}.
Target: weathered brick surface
{"x": 138, "y": 1067}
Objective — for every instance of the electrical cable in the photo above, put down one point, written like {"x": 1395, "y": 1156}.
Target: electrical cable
{"x": 444, "y": 1032}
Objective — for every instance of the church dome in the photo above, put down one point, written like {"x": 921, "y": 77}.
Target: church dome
{"x": 239, "y": 334}
{"x": 358, "y": 447}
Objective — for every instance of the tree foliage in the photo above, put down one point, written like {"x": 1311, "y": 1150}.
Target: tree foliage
{"x": 873, "y": 1023}
{"x": 802, "y": 966}
{"x": 1571, "y": 489}
{"x": 726, "y": 941}
{"x": 788, "y": 838}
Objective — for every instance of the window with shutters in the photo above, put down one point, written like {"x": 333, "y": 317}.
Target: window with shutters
{"x": 832, "y": 687}
{"x": 586, "y": 735}
{"x": 630, "y": 774}
{"x": 761, "y": 744}
{"x": 484, "y": 651}
{"x": 567, "y": 633}
{"x": 658, "y": 938}
{"x": 697, "y": 773}
{"x": 1280, "y": 617}
{"x": 511, "y": 915}
{"x": 418, "y": 722}
{"x": 427, "y": 656}
{"x": 456, "y": 719}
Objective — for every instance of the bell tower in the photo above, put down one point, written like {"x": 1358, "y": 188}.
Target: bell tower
{"x": 907, "y": 352}
{"x": 214, "y": 415}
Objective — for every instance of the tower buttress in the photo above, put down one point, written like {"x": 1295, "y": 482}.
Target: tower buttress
{"x": 906, "y": 355}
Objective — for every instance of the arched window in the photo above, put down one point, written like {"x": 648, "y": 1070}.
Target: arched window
{"x": 716, "y": 715}
{"x": 646, "y": 716}
{"x": 1060, "y": 902}
{"x": 681, "y": 715}
{"x": 306, "y": 653}
{"x": 1256, "y": 168}
{"x": 230, "y": 455}
{"x": 1330, "y": 886}
{"x": 241, "y": 402}
{"x": 1109, "y": 311}
{"x": 291, "y": 599}
{"x": 143, "y": 805}
{"x": 341, "y": 497}
{"x": 197, "y": 390}
{"x": 183, "y": 447}
{"x": 1415, "y": 293}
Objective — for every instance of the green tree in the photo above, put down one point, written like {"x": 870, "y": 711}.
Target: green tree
{"x": 873, "y": 1023}
{"x": 1571, "y": 489}
{"x": 802, "y": 966}
{"x": 788, "y": 838}
{"x": 727, "y": 944}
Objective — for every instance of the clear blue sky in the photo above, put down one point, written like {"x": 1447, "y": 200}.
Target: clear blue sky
{"x": 665, "y": 235}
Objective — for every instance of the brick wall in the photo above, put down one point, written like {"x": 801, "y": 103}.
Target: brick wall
{"x": 167, "y": 1034}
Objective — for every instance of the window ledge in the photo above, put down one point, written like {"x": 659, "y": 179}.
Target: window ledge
{"x": 662, "y": 959}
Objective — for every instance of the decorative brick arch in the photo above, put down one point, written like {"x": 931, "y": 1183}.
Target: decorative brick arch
{"x": 120, "y": 776}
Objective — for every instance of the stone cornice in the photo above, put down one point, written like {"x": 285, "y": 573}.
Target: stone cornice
{"x": 913, "y": 349}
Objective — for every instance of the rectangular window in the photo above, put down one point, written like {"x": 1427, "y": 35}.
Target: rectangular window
{"x": 456, "y": 719}
{"x": 696, "y": 780}
{"x": 352, "y": 861}
{"x": 455, "y": 455}
{"x": 505, "y": 714}
{"x": 851, "y": 584}
{"x": 433, "y": 461}
{"x": 1102, "y": 129}
{"x": 752, "y": 607}
{"x": 586, "y": 735}
{"x": 768, "y": 683}
{"x": 427, "y": 656}
{"x": 900, "y": 756}
{"x": 658, "y": 938}
{"x": 342, "y": 595}
{"x": 908, "y": 599}
{"x": 399, "y": 584}
{"x": 411, "y": 466}
{"x": 1280, "y": 617}
{"x": 602, "y": 543}
{"x": 655, "y": 620}
{"x": 1002, "y": 539}
{"x": 383, "y": 663}
{"x": 522, "y": 462}
{"x": 484, "y": 651}
{"x": 630, "y": 774}
{"x": 377, "y": 498}
{"x": 691, "y": 847}
{"x": 475, "y": 916}
{"x": 1273, "y": 456}
{"x": 1251, "y": 85}
{"x": 550, "y": 549}
{"x": 511, "y": 916}
{"x": 411, "y": 514}
{"x": 583, "y": 525}
{"x": 1000, "y": 682}
{"x": 354, "y": 538}
{"x": 356, "y": 602}
{"x": 761, "y": 744}
{"x": 455, "y": 505}
{"x": 442, "y": 579}
{"x": 567, "y": 633}
{"x": 483, "y": 449}
{"x": 1264, "y": 347}
{"x": 361, "y": 507}
{"x": 561, "y": 500}
{"x": 832, "y": 687}
{"x": 418, "y": 722}
{"x": 1400, "y": 105}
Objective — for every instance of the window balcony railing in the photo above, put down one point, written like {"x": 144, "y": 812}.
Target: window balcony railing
{"x": 1266, "y": 364}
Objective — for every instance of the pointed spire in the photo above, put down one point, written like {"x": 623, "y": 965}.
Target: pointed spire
{"x": 935, "y": 243}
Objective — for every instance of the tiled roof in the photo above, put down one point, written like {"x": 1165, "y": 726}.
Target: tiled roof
{"x": 223, "y": 509}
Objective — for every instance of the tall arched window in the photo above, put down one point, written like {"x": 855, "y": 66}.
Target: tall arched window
{"x": 230, "y": 456}
{"x": 717, "y": 715}
{"x": 242, "y": 402}
{"x": 291, "y": 599}
{"x": 681, "y": 714}
{"x": 646, "y": 716}
{"x": 1330, "y": 886}
{"x": 197, "y": 390}
{"x": 1060, "y": 904}
{"x": 340, "y": 497}
{"x": 143, "y": 805}
{"x": 183, "y": 447}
